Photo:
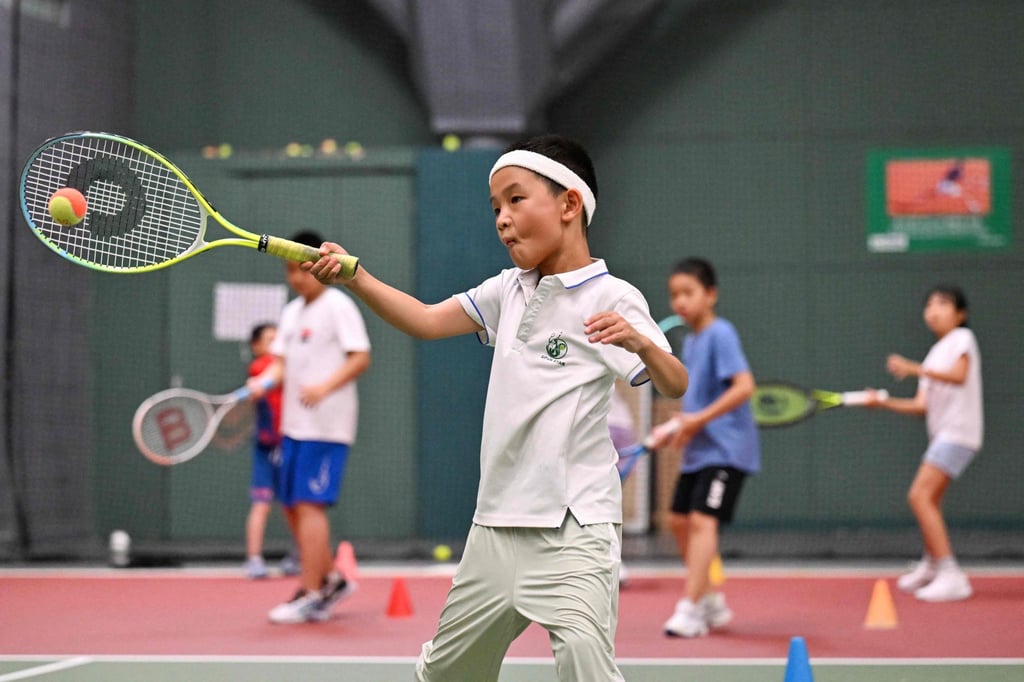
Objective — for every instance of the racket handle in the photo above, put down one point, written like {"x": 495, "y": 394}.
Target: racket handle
{"x": 661, "y": 432}
{"x": 861, "y": 397}
{"x": 300, "y": 253}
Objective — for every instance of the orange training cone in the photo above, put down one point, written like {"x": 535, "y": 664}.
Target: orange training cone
{"x": 345, "y": 561}
{"x": 716, "y": 574}
{"x": 399, "y": 605}
{"x": 881, "y": 610}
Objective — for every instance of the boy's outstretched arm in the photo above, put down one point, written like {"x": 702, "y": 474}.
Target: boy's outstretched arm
{"x": 667, "y": 373}
{"x": 402, "y": 311}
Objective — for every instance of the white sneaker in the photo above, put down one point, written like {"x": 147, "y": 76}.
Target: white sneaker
{"x": 304, "y": 607}
{"x": 290, "y": 564}
{"x": 686, "y": 621}
{"x": 335, "y": 589}
{"x": 255, "y": 568}
{"x": 716, "y": 613}
{"x": 949, "y": 585}
{"x": 924, "y": 572}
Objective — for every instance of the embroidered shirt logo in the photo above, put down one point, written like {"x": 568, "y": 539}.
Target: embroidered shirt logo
{"x": 556, "y": 349}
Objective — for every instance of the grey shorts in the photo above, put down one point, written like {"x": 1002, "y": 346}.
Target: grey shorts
{"x": 950, "y": 457}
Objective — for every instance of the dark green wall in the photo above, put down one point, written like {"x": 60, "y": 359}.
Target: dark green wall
{"x": 748, "y": 145}
{"x": 457, "y": 249}
{"x": 734, "y": 130}
{"x": 263, "y": 73}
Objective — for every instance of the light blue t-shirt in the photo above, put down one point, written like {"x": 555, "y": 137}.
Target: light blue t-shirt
{"x": 713, "y": 356}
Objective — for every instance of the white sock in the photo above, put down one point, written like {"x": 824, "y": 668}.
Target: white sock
{"x": 947, "y": 563}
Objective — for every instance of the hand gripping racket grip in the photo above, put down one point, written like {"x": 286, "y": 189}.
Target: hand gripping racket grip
{"x": 300, "y": 253}
{"x": 661, "y": 431}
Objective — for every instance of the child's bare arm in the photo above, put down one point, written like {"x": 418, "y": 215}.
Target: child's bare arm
{"x": 667, "y": 373}
{"x": 399, "y": 309}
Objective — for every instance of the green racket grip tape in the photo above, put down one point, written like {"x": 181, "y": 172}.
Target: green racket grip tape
{"x": 286, "y": 248}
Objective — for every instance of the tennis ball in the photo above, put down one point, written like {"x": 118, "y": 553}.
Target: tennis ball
{"x": 442, "y": 553}
{"x": 354, "y": 150}
{"x": 329, "y": 147}
{"x": 224, "y": 151}
{"x": 451, "y": 142}
{"x": 67, "y": 206}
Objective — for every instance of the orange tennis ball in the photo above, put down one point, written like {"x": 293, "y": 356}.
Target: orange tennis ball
{"x": 67, "y": 206}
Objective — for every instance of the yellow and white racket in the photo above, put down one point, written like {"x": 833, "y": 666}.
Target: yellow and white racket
{"x": 781, "y": 403}
{"x": 142, "y": 212}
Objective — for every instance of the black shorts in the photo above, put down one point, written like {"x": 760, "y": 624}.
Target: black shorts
{"x": 712, "y": 491}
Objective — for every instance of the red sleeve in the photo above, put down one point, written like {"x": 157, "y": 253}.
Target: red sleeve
{"x": 258, "y": 365}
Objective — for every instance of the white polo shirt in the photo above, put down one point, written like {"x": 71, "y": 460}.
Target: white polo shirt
{"x": 546, "y": 446}
{"x": 315, "y": 339}
{"x": 955, "y": 410}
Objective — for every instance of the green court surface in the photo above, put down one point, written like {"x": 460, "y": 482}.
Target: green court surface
{"x": 327, "y": 669}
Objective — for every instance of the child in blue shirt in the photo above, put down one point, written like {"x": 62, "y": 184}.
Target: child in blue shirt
{"x": 719, "y": 440}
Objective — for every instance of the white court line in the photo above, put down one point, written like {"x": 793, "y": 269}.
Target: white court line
{"x": 410, "y": 660}
{"x": 739, "y": 569}
{"x": 46, "y": 669}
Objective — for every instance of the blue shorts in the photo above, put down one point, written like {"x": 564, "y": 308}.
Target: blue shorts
{"x": 311, "y": 471}
{"x": 950, "y": 457}
{"x": 265, "y": 463}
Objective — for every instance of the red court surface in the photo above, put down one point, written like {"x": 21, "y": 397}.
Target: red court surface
{"x": 139, "y": 612}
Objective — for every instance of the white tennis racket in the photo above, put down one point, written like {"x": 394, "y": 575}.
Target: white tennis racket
{"x": 142, "y": 212}
{"x": 175, "y": 425}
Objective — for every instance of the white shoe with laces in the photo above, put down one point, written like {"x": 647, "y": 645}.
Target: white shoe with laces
{"x": 255, "y": 568}
{"x": 716, "y": 613}
{"x": 950, "y": 584}
{"x": 924, "y": 572}
{"x": 304, "y": 607}
{"x": 686, "y": 621}
{"x": 335, "y": 589}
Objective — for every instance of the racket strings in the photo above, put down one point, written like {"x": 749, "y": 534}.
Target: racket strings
{"x": 175, "y": 426}
{"x": 140, "y": 213}
{"x": 780, "y": 404}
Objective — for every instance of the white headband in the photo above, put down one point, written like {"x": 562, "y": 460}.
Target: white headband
{"x": 551, "y": 169}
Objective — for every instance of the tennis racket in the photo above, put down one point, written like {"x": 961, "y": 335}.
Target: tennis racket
{"x": 175, "y": 425}
{"x": 631, "y": 454}
{"x": 780, "y": 403}
{"x": 142, "y": 213}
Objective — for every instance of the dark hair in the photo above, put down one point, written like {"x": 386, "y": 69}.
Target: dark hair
{"x": 565, "y": 151}
{"x": 953, "y": 294}
{"x": 699, "y": 268}
{"x": 309, "y": 238}
{"x": 258, "y": 330}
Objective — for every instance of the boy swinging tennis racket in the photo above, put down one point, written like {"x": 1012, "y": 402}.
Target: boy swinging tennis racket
{"x": 545, "y": 542}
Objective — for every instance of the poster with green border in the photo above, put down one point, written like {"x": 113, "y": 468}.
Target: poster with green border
{"x": 938, "y": 199}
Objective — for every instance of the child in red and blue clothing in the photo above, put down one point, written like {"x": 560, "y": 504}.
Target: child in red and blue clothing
{"x": 265, "y": 455}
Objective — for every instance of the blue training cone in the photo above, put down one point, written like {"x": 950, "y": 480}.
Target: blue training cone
{"x": 798, "y": 667}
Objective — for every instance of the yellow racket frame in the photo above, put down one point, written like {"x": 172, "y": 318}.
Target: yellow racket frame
{"x": 41, "y": 223}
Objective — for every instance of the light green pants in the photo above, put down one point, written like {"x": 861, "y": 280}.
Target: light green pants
{"x": 564, "y": 579}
